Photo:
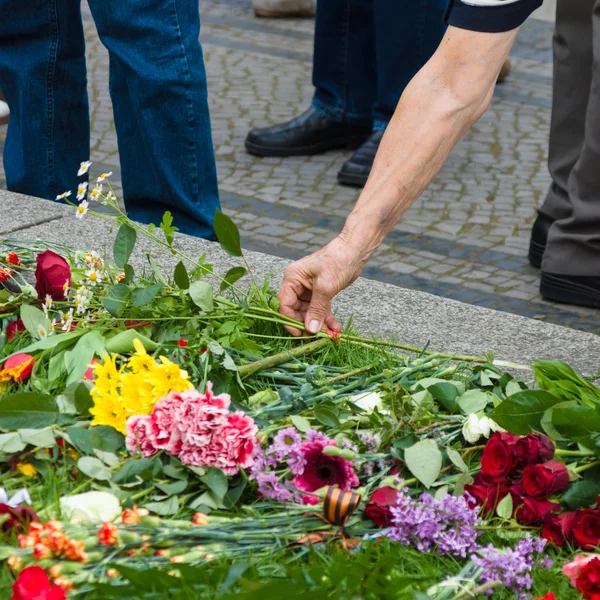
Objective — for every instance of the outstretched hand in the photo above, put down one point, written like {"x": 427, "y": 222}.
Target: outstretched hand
{"x": 310, "y": 284}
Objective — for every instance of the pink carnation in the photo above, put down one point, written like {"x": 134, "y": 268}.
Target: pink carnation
{"x": 139, "y": 436}
{"x": 322, "y": 470}
{"x": 220, "y": 401}
{"x": 234, "y": 445}
{"x": 165, "y": 434}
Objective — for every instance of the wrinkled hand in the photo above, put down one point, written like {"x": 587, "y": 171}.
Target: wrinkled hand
{"x": 310, "y": 284}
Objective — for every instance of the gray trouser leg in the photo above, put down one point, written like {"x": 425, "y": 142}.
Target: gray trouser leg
{"x": 574, "y": 157}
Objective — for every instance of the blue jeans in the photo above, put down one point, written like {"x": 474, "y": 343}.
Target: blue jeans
{"x": 366, "y": 52}
{"x": 158, "y": 90}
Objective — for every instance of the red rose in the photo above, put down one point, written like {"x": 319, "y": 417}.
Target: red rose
{"x": 548, "y": 596}
{"x": 52, "y": 276}
{"x": 558, "y": 529}
{"x": 534, "y": 448}
{"x": 487, "y": 493}
{"x": 378, "y": 507}
{"x": 533, "y": 512}
{"x": 498, "y": 458}
{"x": 18, "y": 367}
{"x": 13, "y": 328}
{"x": 19, "y": 518}
{"x": 586, "y": 529}
{"x": 588, "y": 581}
{"x": 545, "y": 479}
{"x": 33, "y": 584}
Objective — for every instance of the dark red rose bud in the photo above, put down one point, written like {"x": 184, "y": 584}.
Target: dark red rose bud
{"x": 586, "y": 529}
{"x": 533, "y": 512}
{"x": 18, "y": 520}
{"x": 52, "y": 276}
{"x": 544, "y": 480}
{"x": 534, "y": 448}
{"x": 487, "y": 493}
{"x": 378, "y": 507}
{"x": 13, "y": 328}
{"x": 498, "y": 460}
{"x": 558, "y": 529}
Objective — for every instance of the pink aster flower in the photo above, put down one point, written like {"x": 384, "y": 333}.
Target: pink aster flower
{"x": 322, "y": 470}
{"x": 139, "y": 436}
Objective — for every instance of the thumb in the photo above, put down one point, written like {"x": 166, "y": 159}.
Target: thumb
{"x": 318, "y": 310}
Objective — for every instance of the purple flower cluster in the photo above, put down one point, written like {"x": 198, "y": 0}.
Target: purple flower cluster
{"x": 448, "y": 524}
{"x": 512, "y": 566}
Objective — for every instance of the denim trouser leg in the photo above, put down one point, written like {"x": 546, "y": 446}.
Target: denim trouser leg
{"x": 43, "y": 77}
{"x": 158, "y": 89}
{"x": 366, "y": 52}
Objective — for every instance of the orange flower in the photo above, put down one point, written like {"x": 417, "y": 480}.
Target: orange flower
{"x": 5, "y": 273}
{"x": 26, "y": 541}
{"x": 64, "y": 583}
{"x": 55, "y": 571}
{"x": 14, "y": 562}
{"x": 132, "y": 516}
{"x": 35, "y": 528}
{"x": 41, "y": 551}
{"x": 200, "y": 519}
{"x": 75, "y": 550}
{"x": 53, "y": 526}
{"x": 57, "y": 542}
{"x": 18, "y": 368}
{"x": 108, "y": 533}
{"x": 162, "y": 552}
{"x": 12, "y": 258}
{"x": 111, "y": 573}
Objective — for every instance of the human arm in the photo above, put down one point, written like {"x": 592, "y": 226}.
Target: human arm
{"x": 436, "y": 109}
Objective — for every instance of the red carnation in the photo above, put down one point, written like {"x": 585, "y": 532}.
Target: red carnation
{"x": 558, "y": 529}
{"x": 52, "y": 275}
{"x": 12, "y": 258}
{"x": 13, "y": 328}
{"x": 33, "y": 584}
{"x": 548, "y": 596}
{"x": 499, "y": 460}
{"x": 586, "y": 529}
{"x": 588, "y": 581}
{"x": 19, "y": 518}
{"x": 543, "y": 480}
{"x": 534, "y": 448}
{"x": 533, "y": 512}
{"x": 378, "y": 506}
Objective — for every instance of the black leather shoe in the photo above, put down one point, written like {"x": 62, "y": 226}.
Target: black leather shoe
{"x": 571, "y": 289}
{"x": 356, "y": 170}
{"x": 539, "y": 237}
{"x": 310, "y": 133}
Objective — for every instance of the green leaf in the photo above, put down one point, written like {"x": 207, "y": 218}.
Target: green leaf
{"x": 300, "y": 423}
{"x": 11, "y": 443}
{"x": 522, "y": 412}
{"x": 232, "y": 276}
{"x": 83, "y": 399}
{"x": 122, "y": 343}
{"x": 227, "y": 234}
{"x": 124, "y": 243}
{"x": 234, "y": 493}
{"x": 81, "y": 438}
{"x": 561, "y": 380}
{"x": 156, "y": 269}
{"x": 146, "y": 580}
{"x": 181, "y": 277}
{"x": 44, "y": 438}
{"x": 577, "y": 423}
{"x": 132, "y": 468}
{"x": 164, "y": 508}
{"x": 92, "y": 343}
{"x": 115, "y": 299}
{"x": 581, "y": 494}
{"x": 547, "y": 424}
{"x": 326, "y": 416}
{"x": 216, "y": 481}
{"x": 512, "y": 387}
{"x": 201, "y": 294}
{"x": 129, "y": 273}
{"x": 54, "y": 341}
{"x": 171, "y": 489}
{"x": 473, "y": 401}
{"x": 33, "y": 319}
{"x": 142, "y": 295}
{"x": 505, "y": 507}
{"x": 94, "y": 468}
{"x": 167, "y": 226}
{"x": 424, "y": 460}
{"x": 446, "y": 394}
{"x": 29, "y": 410}
{"x": 457, "y": 460}
{"x": 107, "y": 438}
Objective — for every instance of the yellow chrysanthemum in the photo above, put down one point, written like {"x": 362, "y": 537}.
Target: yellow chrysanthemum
{"x": 108, "y": 410}
{"x": 27, "y": 469}
{"x": 107, "y": 376}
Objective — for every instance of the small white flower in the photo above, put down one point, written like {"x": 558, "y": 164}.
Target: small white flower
{"x": 97, "y": 192}
{"x": 67, "y": 320}
{"x": 66, "y": 288}
{"x": 63, "y": 195}
{"x": 94, "y": 276}
{"x": 84, "y": 167}
{"x": 103, "y": 176}
{"x": 82, "y": 209}
{"x": 42, "y": 332}
{"x": 93, "y": 507}
{"x": 52, "y": 327}
{"x": 47, "y": 304}
{"x": 82, "y": 190}
{"x": 475, "y": 427}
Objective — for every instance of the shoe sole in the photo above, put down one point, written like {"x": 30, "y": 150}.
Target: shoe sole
{"x": 352, "y": 179}
{"x": 553, "y": 287}
{"x": 277, "y": 151}
{"x": 536, "y": 253}
{"x": 268, "y": 14}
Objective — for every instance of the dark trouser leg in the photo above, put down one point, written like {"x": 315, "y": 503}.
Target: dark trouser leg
{"x": 573, "y": 58}
{"x": 43, "y": 77}
{"x": 158, "y": 89}
{"x": 574, "y": 240}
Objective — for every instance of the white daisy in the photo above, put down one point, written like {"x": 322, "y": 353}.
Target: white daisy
{"x": 84, "y": 167}
{"x": 42, "y": 332}
{"x": 96, "y": 192}
{"x": 67, "y": 320}
{"x": 82, "y": 190}
{"x": 103, "y": 176}
{"x": 82, "y": 209}
{"x": 63, "y": 195}
{"x": 94, "y": 276}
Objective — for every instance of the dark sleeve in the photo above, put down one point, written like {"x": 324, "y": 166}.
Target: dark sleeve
{"x": 493, "y": 16}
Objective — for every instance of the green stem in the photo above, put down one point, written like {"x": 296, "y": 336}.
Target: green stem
{"x": 559, "y": 452}
{"x": 586, "y": 467}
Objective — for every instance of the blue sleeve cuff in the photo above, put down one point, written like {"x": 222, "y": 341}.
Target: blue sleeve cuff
{"x": 492, "y": 19}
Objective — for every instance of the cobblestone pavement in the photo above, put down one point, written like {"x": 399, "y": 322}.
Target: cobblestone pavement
{"x": 466, "y": 238}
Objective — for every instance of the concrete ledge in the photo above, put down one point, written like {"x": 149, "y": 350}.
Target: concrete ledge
{"x": 378, "y": 309}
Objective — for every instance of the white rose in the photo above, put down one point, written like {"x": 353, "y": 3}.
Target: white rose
{"x": 476, "y": 427}
{"x": 94, "y": 507}
{"x": 368, "y": 402}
